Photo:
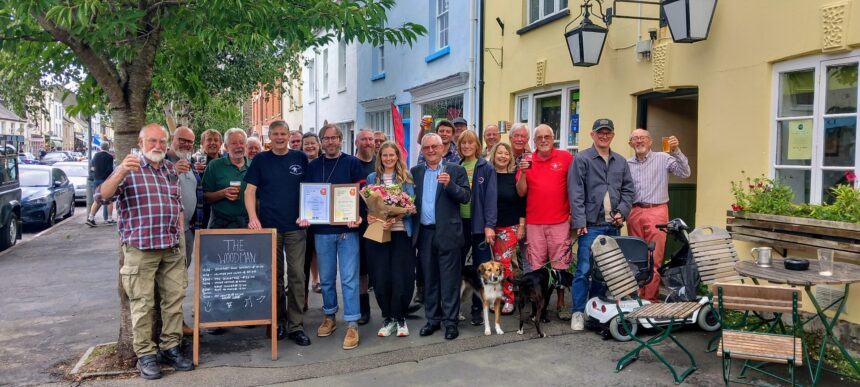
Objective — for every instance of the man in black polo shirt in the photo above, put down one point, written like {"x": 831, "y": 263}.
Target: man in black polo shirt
{"x": 102, "y": 167}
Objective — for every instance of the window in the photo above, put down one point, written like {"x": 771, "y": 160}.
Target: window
{"x": 447, "y": 108}
{"x": 341, "y": 65}
{"x": 325, "y": 73}
{"x": 378, "y": 61}
{"x": 312, "y": 84}
{"x": 815, "y": 125}
{"x": 380, "y": 120}
{"x": 441, "y": 23}
{"x": 558, "y": 108}
{"x": 539, "y": 9}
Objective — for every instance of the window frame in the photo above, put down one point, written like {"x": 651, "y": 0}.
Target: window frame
{"x": 563, "y": 133}
{"x": 312, "y": 82}
{"x": 373, "y": 119}
{"x": 325, "y": 77}
{"x": 818, "y": 64}
{"x": 442, "y": 16}
{"x": 542, "y": 14}
{"x": 341, "y": 66}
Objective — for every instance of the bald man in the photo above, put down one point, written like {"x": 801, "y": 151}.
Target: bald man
{"x": 650, "y": 172}
{"x": 152, "y": 247}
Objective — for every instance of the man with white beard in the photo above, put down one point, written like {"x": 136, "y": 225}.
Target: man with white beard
{"x": 181, "y": 148}
{"x": 150, "y": 225}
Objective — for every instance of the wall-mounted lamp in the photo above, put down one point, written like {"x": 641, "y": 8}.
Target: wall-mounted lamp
{"x": 689, "y": 22}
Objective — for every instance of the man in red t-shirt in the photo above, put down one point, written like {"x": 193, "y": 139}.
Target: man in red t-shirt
{"x": 547, "y": 206}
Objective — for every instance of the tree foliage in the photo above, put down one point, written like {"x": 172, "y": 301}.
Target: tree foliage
{"x": 124, "y": 55}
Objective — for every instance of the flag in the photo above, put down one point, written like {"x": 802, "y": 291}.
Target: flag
{"x": 397, "y": 121}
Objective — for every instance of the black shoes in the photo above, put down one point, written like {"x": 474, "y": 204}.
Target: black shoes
{"x": 299, "y": 337}
{"x": 216, "y": 331}
{"x": 148, "y": 367}
{"x": 477, "y": 320}
{"x": 419, "y": 295}
{"x": 176, "y": 359}
{"x": 428, "y": 329}
{"x": 451, "y": 332}
{"x": 282, "y": 331}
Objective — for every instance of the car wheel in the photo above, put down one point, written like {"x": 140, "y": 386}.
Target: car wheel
{"x": 51, "y": 219}
{"x": 71, "y": 209}
{"x": 9, "y": 233}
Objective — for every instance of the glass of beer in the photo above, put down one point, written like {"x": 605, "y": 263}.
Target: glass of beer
{"x": 666, "y": 147}
{"x": 427, "y": 121}
{"x": 235, "y": 184}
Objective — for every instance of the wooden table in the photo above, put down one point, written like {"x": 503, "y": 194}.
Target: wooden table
{"x": 843, "y": 274}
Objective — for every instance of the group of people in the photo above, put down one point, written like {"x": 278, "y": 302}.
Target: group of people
{"x": 495, "y": 199}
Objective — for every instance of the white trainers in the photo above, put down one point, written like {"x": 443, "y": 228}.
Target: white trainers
{"x": 402, "y": 330}
{"x": 576, "y": 322}
{"x": 388, "y": 328}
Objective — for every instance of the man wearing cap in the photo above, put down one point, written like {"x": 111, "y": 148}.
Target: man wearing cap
{"x": 650, "y": 172}
{"x": 601, "y": 196}
{"x": 460, "y": 126}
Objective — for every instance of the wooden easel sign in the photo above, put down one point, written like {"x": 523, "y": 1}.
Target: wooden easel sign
{"x": 235, "y": 281}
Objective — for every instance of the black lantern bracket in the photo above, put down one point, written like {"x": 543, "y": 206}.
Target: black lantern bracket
{"x": 585, "y": 13}
{"x": 611, "y": 11}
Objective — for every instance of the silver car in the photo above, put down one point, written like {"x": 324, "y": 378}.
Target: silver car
{"x": 77, "y": 173}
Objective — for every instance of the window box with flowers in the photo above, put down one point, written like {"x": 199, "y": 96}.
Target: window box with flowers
{"x": 764, "y": 213}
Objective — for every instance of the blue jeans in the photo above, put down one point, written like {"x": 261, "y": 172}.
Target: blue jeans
{"x": 339, "y": 251}
{"x": 582, "y": 284}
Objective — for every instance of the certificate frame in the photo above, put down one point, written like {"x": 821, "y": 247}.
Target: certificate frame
{"x": 311, "y": 197}
{"x": 341, "y": 215}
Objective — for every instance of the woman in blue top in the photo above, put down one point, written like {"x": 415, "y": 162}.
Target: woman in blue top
{"x": 479, "y": 215}
{"x": 392, "y": 264}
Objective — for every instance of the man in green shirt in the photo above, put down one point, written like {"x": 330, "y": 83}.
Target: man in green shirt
{"x": 223, "y": 184}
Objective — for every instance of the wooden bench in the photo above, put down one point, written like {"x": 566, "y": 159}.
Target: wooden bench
{"x": 764, "y": 347}
{"x": 621, "y": 282}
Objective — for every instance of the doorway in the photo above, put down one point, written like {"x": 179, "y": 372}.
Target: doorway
{"x": 675, "y": 114}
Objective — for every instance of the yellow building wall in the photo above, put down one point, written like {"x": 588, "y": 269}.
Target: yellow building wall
{"x": 732, "y": 70}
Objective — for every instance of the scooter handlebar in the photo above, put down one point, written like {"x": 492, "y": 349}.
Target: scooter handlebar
{"x": 662, "y": 226}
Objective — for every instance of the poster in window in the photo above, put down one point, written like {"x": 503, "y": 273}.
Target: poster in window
{"x": 800, "y": 140}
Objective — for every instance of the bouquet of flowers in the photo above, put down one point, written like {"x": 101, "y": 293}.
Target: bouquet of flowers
{"x": 384, "y": 202}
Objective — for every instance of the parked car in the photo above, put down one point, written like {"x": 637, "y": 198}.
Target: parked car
{"x": 55, "y": 157}
{"x": 27, "y": 158}
{"x": 10, "y": 191}
{"x": 77, "y": 172}
{"x": 46, "y": 192}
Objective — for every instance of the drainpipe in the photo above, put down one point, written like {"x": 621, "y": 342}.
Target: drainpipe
{"x": 472, "y": 72}
{"x": 479, "y": 82}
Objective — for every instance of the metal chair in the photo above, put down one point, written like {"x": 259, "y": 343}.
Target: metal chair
{"x": 760, "y": 348}
{"x": 620, "y": 280}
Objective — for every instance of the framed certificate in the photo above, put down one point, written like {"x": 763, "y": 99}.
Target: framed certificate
{"x": 344, "y": 206}
{"x": 315, "y": 203}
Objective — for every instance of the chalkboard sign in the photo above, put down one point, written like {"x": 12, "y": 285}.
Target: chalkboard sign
{"x": 234, "y": 280}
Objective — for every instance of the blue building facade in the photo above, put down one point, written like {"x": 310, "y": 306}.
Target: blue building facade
{"x": 435, "y": 76}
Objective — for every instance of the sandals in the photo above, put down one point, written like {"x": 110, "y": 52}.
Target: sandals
{"x": 508, "y": 309}
{"x": 317, "y": 288}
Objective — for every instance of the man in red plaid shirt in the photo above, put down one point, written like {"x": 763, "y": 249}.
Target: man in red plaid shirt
{"x": 147, "y": 191}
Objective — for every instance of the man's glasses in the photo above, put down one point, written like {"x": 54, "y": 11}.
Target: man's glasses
{"x": 185, "y": 141}
{"x": 428, "y": 147}
{"x": 544, "y": 138}
{"x": 639, "y": 138}
{"x": 330, "y": 139}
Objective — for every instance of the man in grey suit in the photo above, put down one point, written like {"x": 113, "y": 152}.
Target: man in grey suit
{"x": 440, "y": 188}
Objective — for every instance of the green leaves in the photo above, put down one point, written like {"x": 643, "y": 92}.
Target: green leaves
{"x": 206, "y": 50}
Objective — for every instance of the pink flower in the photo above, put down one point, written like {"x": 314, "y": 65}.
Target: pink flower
{"x": 850, "y": 176}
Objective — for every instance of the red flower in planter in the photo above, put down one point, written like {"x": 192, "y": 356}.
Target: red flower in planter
{"x": 850, "y": 176}
{"x": 737, "y": 208}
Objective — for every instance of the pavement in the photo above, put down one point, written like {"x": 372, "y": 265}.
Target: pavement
{"x": 58, "y": 293}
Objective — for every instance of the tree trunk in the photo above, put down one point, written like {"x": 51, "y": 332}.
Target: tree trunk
{"x": 127, "y": 124}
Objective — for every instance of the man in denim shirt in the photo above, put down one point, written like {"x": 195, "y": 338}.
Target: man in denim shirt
{"x": 601, "y": 195}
